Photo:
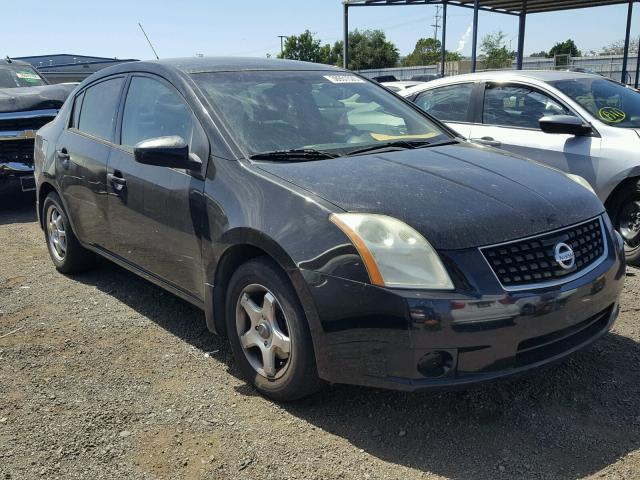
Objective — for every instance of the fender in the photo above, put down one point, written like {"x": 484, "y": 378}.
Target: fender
{"x": 239, "y": 245}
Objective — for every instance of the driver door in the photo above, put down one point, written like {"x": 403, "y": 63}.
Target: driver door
{"x": 510, "y": 117}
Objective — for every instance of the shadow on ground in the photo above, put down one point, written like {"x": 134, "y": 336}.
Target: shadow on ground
{"x": 566, "y": 421}
{"x": 19, "y": 208}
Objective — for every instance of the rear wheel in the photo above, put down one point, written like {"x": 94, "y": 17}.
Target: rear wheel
{"x": 625, "y": 215}
{"x": 65, "y": 251}
{"x": 268, "y": 332}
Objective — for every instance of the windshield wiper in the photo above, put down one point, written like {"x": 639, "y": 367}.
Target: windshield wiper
{"x": 403, "y": 144}
{"x": 299, "y": 154}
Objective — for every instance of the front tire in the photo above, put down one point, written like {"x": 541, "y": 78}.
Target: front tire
{"x": 268, "y": 332}
{"x": 625, "y": 216}
{"x": 65, "y": 251}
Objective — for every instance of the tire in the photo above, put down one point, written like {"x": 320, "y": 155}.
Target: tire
{"x": 65, "y": 251}
{"x": 625, "y": 216}
{"x": 269, "y": 332}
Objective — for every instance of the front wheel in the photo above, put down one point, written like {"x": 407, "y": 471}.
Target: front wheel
{"x": 625, "y": 215}
{"x": 268, "y": 332}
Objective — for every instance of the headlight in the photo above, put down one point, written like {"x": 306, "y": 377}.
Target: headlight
{"x": 394, "y": 254}
{"x": 580, "y": 180}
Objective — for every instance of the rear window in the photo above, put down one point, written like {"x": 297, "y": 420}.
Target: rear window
{"x": 99, "y": 108}
{"x": 449, "y": 104}
{"x": 16, "y": 76}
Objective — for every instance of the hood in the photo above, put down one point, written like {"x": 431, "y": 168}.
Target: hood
{"x": 457, "y": 196}
{"x": 34, "y": 98}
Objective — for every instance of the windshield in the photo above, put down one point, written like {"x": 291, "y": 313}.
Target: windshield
{"x": 13, "y": 76}
{"x": 337, "y": 112}
{"x": 606, "y": 100}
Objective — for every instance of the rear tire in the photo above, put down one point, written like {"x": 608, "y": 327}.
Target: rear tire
{"x": 65, "y": 251}
{"x": 625, "y": 216}
{"x": 268, "y": 332}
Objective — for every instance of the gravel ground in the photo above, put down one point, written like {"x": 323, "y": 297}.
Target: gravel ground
{"x": 106, "y": 376}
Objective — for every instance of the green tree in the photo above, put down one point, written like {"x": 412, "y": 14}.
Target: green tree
{"x": 541, "y": 54}
{"x": 368, "y": 49}
{"x": 302, "y": 47}
{"x": 330, "y": 55}
{"x": 568, "y": 47}
{"x": 427, "y": 52}
{"x": 494, "y": 50}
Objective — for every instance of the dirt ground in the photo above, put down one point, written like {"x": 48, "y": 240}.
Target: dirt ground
{"x": 106, "y": 376}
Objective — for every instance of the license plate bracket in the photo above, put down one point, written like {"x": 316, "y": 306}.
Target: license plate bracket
{"x": 28, "y": 183}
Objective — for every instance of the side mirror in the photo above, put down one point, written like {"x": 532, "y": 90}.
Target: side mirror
{"x": 171, "y": 152}
{"x": 565, "y": 124}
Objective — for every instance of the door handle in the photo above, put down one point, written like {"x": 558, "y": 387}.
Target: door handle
{"x": 63, "y": 156}
{"x": 117, "y": 181}
{"x": 491, "y": 142}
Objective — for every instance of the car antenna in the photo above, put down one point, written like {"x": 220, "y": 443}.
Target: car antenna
{"x": 8, "y": 59}
{"x": 150, "y": 44}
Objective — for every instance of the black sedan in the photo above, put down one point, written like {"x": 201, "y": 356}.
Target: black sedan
{"x": 332, "y": 231}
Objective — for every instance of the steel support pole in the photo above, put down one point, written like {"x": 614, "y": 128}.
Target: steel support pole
{"x": 443, "y": 46}
{"x": 345, "y": 51}
{"x": 521, "y": 32}
{"x": 638, "y": 64}
{"x": 474, "y": 41}
{"x": 627, "y": 39}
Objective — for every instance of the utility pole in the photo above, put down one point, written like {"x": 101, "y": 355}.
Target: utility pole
{"x": 436, "y": 26}
{"x": 282, "y": 37}
{"x": 638, "y": 64}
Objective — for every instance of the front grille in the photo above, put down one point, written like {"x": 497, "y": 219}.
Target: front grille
{"x": 538, "y": 349}
{"x": 25, "y": 123}
{"x": 532, "y": 261}
{"x": 17, "y": 151}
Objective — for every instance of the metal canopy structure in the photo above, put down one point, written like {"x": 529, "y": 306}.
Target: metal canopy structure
{"x": 519, "y": 8}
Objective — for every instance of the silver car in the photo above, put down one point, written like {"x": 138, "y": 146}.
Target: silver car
{"x": 581, "y": 123}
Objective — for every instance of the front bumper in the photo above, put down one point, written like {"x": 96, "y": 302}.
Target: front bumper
{"x": 16, "y": 177}
{"x": 380, "y": 337}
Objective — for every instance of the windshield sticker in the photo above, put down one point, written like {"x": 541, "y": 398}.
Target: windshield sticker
{"x": 612, "y": 115}
{"x": 343, "y": 79}
{"x": 27, "y": 75}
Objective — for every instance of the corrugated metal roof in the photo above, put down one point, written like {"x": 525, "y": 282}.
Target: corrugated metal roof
{"x": 504, "y": 6}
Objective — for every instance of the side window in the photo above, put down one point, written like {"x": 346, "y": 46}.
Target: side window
{"x": 513, "y": 106}
{"x": 99, "y": 108}
{"x": 152, "y": 110}
{"x": 449, "y": 104}
{"x": 77, "y": 105}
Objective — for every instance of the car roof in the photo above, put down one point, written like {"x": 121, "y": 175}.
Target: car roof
{"x": 189, "y": 65}
{"x": 504, "y": 75}
{"x": 3, "y": 61}
{"x": 220, "y": 64}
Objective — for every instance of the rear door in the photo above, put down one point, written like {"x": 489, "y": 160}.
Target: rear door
{"x": 154, "y": 212}
{"x": 509, "y": 120}
{"x": 451, "y": 104}
{"x": 82, "y": 152}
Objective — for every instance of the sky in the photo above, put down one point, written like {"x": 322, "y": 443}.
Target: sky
{"x": 251, "y": 27}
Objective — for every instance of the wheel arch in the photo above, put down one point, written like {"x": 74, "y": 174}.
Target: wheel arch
{"x": 243, "y": 245}
{"x": 45, "y": 189}
{"x": 631, "y": 178}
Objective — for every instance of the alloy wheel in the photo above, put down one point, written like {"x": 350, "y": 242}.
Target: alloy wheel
{"x": 56, "y": 232}
{"x": 263, "y": 331}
